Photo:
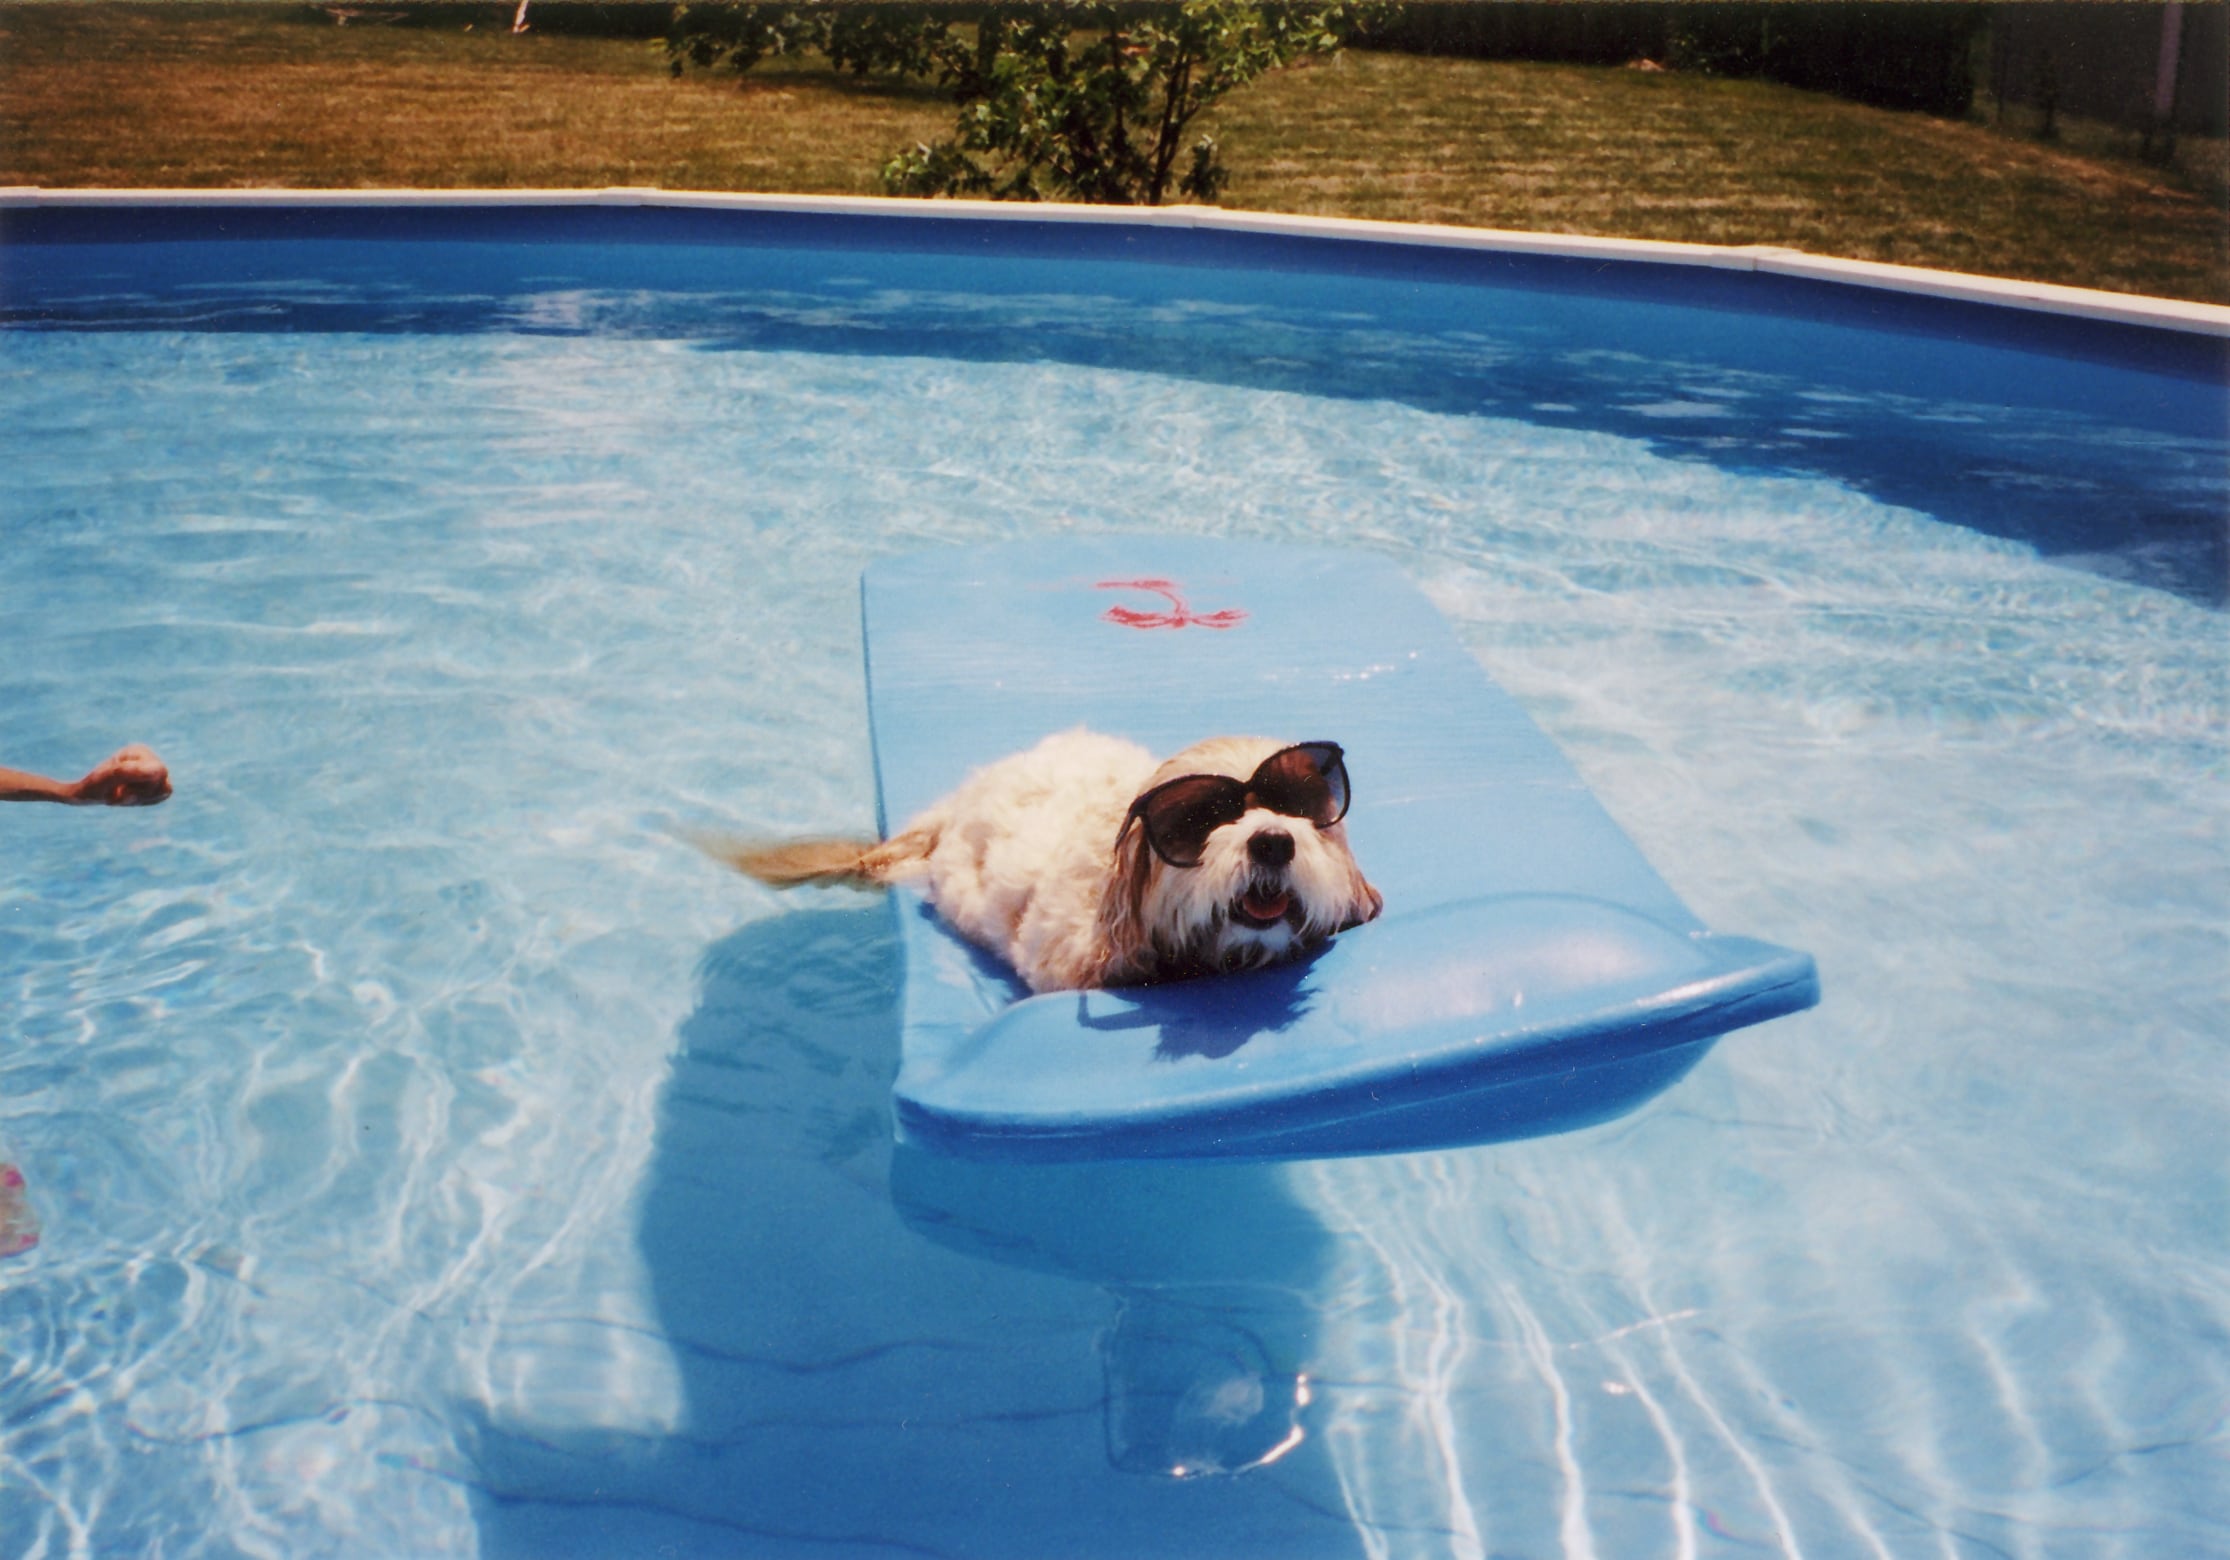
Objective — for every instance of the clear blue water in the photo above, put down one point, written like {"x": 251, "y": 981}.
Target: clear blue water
{"x": 436, "y": 1156}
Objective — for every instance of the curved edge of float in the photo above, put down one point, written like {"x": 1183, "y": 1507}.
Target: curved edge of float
{"x": 1479, "y": 1069}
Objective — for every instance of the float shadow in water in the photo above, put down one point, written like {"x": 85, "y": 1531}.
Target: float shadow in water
{"x": 998, "y": 1360}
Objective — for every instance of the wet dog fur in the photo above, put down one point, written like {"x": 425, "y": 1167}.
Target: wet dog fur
{"x": 1022, "y": 859}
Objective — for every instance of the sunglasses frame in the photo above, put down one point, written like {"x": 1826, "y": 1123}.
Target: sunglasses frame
{"x": 1329, "y": 759}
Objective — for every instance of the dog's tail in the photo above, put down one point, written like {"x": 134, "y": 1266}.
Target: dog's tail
{"x": 796, "y": 863}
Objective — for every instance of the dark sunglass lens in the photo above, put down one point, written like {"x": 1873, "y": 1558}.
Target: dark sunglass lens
{"x": 1334, "y": 769}
{"x": 1308, "y": 781}
{"x": 1181, "y": 815}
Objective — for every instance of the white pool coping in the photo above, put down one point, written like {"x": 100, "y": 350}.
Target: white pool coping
{"x": 1768, "y": 259}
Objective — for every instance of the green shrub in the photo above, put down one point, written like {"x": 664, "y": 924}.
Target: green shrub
{"x": 1911, "y": 54}
{"x": 1060, "y": 99}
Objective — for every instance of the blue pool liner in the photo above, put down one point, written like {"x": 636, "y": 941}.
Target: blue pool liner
{"x": 1962, "y": 397}
{"x": 1531, "y": 971}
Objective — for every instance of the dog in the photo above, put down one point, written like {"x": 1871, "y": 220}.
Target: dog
{"x": 1082, "y": 862}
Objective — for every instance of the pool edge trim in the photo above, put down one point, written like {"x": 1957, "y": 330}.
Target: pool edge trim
{"x": 1769, "y": 259}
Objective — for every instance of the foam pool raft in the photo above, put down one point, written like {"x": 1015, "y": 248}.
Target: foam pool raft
{"x": 1531, "y": 972}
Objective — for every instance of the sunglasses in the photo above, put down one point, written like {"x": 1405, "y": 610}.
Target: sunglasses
{"x": 1307, "y": 780}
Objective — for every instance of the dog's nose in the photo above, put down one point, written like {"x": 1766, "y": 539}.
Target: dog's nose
{"x": 1271, "y": 848}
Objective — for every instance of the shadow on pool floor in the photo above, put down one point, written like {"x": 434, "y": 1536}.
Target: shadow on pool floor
{"x": 1023, "y": 1379}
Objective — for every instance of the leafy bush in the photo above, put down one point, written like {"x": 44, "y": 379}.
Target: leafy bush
{"x": 1061, "y": 99}
{"x": 1911, "y": 54}
{"x": 1915, "y": 54}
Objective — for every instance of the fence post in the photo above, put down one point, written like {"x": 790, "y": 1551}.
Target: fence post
{"x": 2163, "y": 126}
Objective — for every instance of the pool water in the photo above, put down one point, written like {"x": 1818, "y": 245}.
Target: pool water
{"x": 436, "y": 1156}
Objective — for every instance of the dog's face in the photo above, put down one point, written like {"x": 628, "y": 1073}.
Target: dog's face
{"x": 1269, "y": 882}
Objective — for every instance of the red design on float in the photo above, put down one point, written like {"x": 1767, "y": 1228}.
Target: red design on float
{"x": 1179, "y": 614}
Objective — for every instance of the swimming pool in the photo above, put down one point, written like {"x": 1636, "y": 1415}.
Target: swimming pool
{"x": 435, "y": 1156}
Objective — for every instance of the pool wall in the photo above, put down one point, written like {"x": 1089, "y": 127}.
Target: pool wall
{"x": 1071, "y": 227}
{"x": 1750, "y": 359}
{"x": 1760, "y": 277}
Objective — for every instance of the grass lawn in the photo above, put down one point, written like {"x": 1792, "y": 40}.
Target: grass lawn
{"x": 277, "y": 95}
{"x": 260, "y": 95}
{"x": 1575, "y": 149}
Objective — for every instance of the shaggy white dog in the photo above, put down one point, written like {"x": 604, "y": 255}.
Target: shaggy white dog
{"x": 1083, "y": 863}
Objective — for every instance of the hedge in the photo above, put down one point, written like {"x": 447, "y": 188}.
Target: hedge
{"x": 1912, "y": 54}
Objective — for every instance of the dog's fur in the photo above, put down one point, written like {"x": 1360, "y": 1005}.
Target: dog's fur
{"x": 1022, "y": 860}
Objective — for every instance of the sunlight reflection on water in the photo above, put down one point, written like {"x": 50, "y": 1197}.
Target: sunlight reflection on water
{"x": 410, "y": 1026}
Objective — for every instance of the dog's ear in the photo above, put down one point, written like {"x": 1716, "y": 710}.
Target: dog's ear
{"x": 1363, "y": 901}
{"x": 1368, "y": 902}
{"x": 1123, "y": 931}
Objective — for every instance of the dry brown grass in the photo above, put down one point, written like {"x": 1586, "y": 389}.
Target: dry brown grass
{"x": 149, "y": 95}
{"x": 1573, "y": 149}
{"x": 235, "y": 95}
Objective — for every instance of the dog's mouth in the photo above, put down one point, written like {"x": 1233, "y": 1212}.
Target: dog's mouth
{"x": 1262, "y": 906}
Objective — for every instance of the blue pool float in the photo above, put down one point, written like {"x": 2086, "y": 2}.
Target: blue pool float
{"x": 1531, "y": 972}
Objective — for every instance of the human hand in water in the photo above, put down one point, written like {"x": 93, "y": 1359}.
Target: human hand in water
{"x": 130, "y": 777}
{"x": 19, "y": 1226}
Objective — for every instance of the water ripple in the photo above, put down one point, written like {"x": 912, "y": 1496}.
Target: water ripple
{"x": 422, "y": 1133}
